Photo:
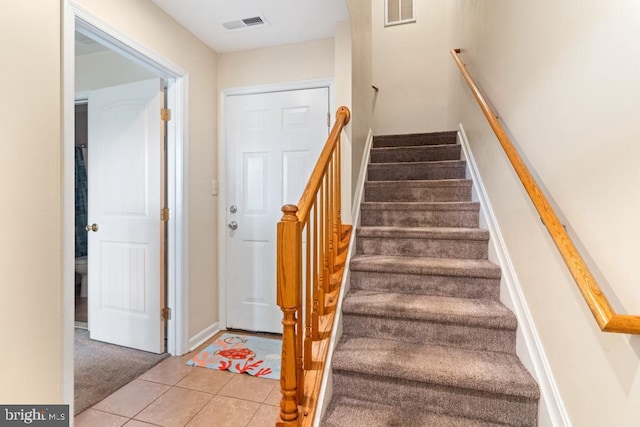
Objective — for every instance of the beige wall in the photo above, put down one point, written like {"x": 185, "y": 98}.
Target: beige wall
{"x": 147, "y": 24}
{"x": 563, "y": 74}
{"x": 344, "y": 97}
{"x": 103, "y": 69}
{"x": 411, "y": 67}
{"x": 278, "y": 64}
{"x": 363, "y": 98}
{"x": 30, "y": 217}
{"x": 343, "y": 66}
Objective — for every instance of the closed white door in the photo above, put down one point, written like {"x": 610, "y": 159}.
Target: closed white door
{"x": 124, "y": 178}
{"x": 273, "y": 141}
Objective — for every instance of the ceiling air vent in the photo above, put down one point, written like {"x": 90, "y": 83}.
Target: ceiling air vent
{"x": 399, "y": 12}
{"x": 250, "y": 22}
{"x": 244, "y": 23}
{"x": 233, "y": 25}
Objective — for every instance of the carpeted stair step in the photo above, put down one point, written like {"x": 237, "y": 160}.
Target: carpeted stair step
{"x": 426, "y": 341}
{"x": 434, "y": 138}
{"x": 420, "y": 153}
{"x": 445, "y": 169}
{"x": 476, "y": 324}
{"x": 346, "y": 411}
{"x": 488, "y": 386}
{"x": 426, "y": 276}
{"x": 445, "y": 190}
{"x": 420, "y": 214}
{"x": 437, "y": 242}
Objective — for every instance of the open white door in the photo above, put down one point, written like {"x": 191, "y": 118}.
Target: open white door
{"x": 124, "y": 175}
{"x": 273, "y": 140}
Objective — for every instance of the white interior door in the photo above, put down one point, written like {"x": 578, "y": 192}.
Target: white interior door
{"x": 273, "y": 142}
{"x": 124, "y": 179}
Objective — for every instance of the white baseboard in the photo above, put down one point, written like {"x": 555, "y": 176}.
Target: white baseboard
{"x": 201, "y": 337}
{"x": 326, "y": 387}
{"x": 362, "y": 176}
{"x": 529, "y": 348}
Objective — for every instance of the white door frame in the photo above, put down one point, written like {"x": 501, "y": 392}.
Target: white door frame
{"x": 222, "y": 168}
{"x": 77, "y": 18}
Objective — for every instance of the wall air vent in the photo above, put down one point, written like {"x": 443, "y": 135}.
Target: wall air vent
{"x": 398, "y": 12}
{"x": 254, "y": 21}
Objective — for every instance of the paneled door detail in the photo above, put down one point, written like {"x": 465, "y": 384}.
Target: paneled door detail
{"x": 124, "y": 204}
{"x": 273, "y": 141}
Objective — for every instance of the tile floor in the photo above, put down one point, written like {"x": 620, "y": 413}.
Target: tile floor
{"x": 173, "y": 394}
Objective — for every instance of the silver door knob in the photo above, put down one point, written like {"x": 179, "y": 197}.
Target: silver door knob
{"x": 92, "y": 227}
{"x": 233, "y": 209}
{"x": 233, "y": 225}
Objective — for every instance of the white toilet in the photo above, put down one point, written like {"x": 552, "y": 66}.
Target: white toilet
{"x": 81, "y": 269}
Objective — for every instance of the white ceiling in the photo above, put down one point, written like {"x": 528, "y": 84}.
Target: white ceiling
{"x": 289, "y": 21}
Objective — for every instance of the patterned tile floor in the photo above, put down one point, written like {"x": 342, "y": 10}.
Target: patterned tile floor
{"x": 173, "y": 394}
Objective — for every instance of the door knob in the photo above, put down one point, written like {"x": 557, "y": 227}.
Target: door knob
{"x": 232, "y": 225}
{"x": 233, "y": 209}
{"x": 92, "y": 227}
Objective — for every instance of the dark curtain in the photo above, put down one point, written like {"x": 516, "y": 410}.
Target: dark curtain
{"x": 81, "y": 203}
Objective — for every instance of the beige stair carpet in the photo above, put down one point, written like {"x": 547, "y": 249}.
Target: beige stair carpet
{"x": 426, "y": 340}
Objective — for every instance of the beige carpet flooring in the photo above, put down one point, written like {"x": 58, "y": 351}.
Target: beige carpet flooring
{"x": 101, "y": 369}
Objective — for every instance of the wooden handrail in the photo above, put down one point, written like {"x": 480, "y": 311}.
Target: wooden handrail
{"x": 343, "y": 115}
{"x": 308, "y": 282}
{"x": 608, "y": 320}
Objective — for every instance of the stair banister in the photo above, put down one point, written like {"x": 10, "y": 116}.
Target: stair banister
{"x": 606, "y": 317}
{"x": 303, "y": 297}
{"x": 343, "y": 115}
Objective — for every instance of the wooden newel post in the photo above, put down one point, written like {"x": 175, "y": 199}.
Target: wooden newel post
{"x": 289, "y": 277}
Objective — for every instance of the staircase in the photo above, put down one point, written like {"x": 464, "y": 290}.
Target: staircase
{"x": 426, "y": 341}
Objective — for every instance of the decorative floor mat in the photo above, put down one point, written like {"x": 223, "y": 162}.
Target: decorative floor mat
{"x": 255, "y": 356}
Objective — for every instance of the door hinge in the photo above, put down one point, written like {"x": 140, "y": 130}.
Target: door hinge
{"x": 328, "y": 119}
{"x": 165, "y": 313}
{"x": 164, "y": 214}
{"x": 165, "y": 114}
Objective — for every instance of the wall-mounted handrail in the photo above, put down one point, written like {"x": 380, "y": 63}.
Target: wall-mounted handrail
{"x": 306, "y": 281}
{"x": 605, "y": 315}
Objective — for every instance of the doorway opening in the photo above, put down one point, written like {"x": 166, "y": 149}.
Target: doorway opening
{"x": 173, "y": 94}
